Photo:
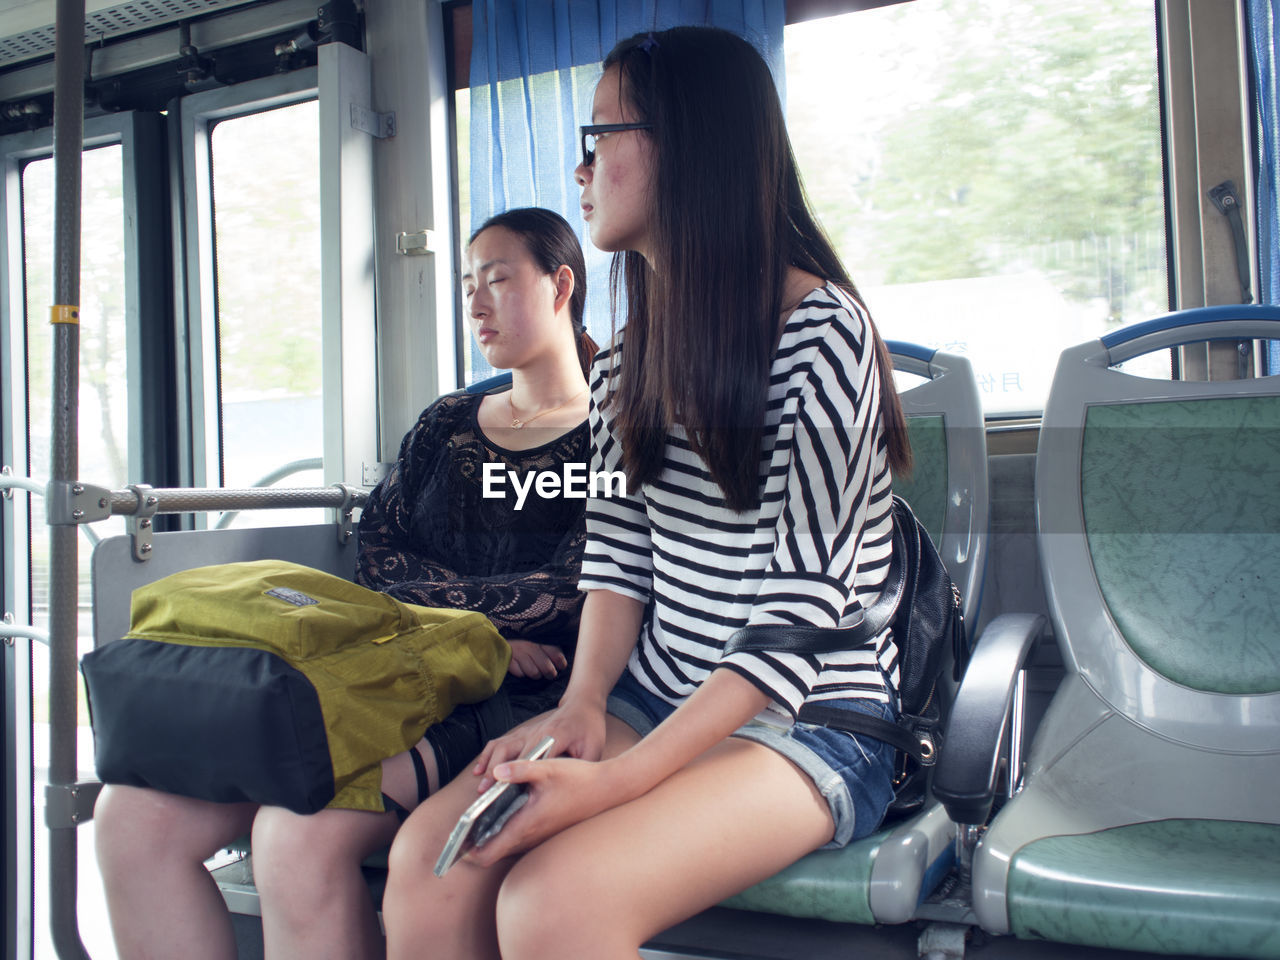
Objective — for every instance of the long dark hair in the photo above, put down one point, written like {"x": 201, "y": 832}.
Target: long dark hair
{"x": 729, "y": 217}
{"x": 552, "y": 244}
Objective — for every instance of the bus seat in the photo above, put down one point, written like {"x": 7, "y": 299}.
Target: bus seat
{"x": 1148, "y": 817}
{"x": 494, "y": 384}
{"x": 116, "y": 574}
{"x": 882, "y": 878}
{"x": 947, "y": 488}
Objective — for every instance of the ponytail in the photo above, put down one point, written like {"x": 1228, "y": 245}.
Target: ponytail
{"x": 587, "y": 350}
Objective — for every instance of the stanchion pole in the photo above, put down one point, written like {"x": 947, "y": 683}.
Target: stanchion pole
{"x": 68, "y": 144}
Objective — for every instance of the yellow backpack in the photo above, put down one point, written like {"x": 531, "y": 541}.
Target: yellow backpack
{"x": 275, "y": 683}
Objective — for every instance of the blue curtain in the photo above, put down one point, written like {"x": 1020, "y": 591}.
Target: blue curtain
{"x": 1264, "y": 44}
{"x": 534, "y": 67}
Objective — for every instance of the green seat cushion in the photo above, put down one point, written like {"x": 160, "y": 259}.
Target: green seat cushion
{"x": 1173, "y": 886}
{"x": 827, "y": 885}
{"x": 926, "y": 487}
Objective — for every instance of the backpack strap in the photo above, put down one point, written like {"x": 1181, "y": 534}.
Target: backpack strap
{"x": 805, "y": 639}
{"x": 919, "y": 748}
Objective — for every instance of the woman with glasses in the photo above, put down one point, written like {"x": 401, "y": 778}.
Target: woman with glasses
{"x": 748, "y": 398}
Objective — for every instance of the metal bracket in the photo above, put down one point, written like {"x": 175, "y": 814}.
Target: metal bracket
{"x": 68, "y": 502}
{"x": 416, "y": 244}
{"x": 139, "y": 526}
{"x": 371, "y": 474}
{"x": 942, "y": 941}
{"x": 6, "y": 492}
{"x": 380, "y": 126}
{"x": 70, "y": 804}
{"x": 350, "y": 497}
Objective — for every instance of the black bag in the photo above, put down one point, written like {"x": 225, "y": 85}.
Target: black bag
{"x": 922, "y": 605}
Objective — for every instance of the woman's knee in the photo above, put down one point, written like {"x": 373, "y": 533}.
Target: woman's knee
{"x": 407, "y": 862}
{"x": 137, "y": 813}
{"x": 542, "y": 908}
{"x": 137, "y": 824}
{"x": 412, "y": 885}
{"x": 302, "y": 857}
{"x": 116, "y": 828}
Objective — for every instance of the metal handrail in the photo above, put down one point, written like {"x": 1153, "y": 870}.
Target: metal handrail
{"x": 148, "y": 500}
{"x": 9, "y": 629}
{"x": 230, "y": 501}
{"x": 10, "y": 482}
{"x": 279, "y": 473}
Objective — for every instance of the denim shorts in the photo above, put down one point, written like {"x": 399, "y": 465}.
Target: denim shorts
{"x": 854, "y": 773}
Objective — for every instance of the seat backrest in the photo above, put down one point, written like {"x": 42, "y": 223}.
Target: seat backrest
{"x": 947, "y": 488}
{"x": 1158, "y": 509}
{"x": 116, "y": 574}
{"x": 495, "y": 384}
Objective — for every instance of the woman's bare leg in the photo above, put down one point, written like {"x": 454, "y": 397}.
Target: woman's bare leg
{"x": 315, "y": 902}
{"x": 451, "y": 917}
{"x": 600, "y": 889}
{"x": 151, "y": 849}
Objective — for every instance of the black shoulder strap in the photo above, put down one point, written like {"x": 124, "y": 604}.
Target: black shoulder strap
{"x": 808, "y": 639}
{"x": 853, "y": 721}
{"x": 785, "y": 638}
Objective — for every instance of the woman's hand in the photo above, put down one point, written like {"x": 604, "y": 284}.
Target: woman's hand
{"x": 564, "y": 792}
{"x": 578, "y": 730}
{"x": 561, "y": 793}
{"x": 536, "y": 660}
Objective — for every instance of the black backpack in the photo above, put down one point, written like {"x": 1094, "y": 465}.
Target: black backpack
{"x": 923, "y": 606}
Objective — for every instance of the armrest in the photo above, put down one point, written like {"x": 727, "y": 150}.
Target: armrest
{"x": 910, "y": 864}
{"x": 965, "y": 778}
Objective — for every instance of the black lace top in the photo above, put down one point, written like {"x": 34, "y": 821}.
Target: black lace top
{"x": 429, "y": 535}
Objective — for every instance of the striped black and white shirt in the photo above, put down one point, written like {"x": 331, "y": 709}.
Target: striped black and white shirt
{"x": 815, "y": 550}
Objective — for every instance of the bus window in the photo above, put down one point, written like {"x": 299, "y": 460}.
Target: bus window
{"x": 103, "y": 419}
{"x": 991, "y": 174}
{"x": 544, "y": 94}
{"x": 266, "y": 222}
{"x": 103, "y": 425}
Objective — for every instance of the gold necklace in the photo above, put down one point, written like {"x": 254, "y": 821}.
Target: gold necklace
{"x": 518, "y": 424}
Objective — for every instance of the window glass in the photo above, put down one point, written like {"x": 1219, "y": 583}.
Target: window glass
{"x": 103, "y": 403}
{"x": 103, "y": 455}
{"x": 990, "y": 172}
{"x": 542, "y": 97}
{"x": 266, "y": 219}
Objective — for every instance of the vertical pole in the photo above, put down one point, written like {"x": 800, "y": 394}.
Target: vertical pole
{"x": 68, "y": 144}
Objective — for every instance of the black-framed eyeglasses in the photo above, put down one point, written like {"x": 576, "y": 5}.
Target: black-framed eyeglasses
{"x": 592, "y": 132}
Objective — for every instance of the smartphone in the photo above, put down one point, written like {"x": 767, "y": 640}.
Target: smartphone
{"x": 481, "y": 821}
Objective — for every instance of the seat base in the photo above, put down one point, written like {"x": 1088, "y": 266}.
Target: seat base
{"x": 878, "y": 879}
{"x": 1170, "y": 886}
{"x": 827, "y": 884}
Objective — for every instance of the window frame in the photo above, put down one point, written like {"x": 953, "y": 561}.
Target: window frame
{"x": 144, "y": 297}
{"x": 1209, "y": 136}
{"x": 199, "y": 397}
{"x": 1200, "y": 269}
{"x": 458, "y": 29}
